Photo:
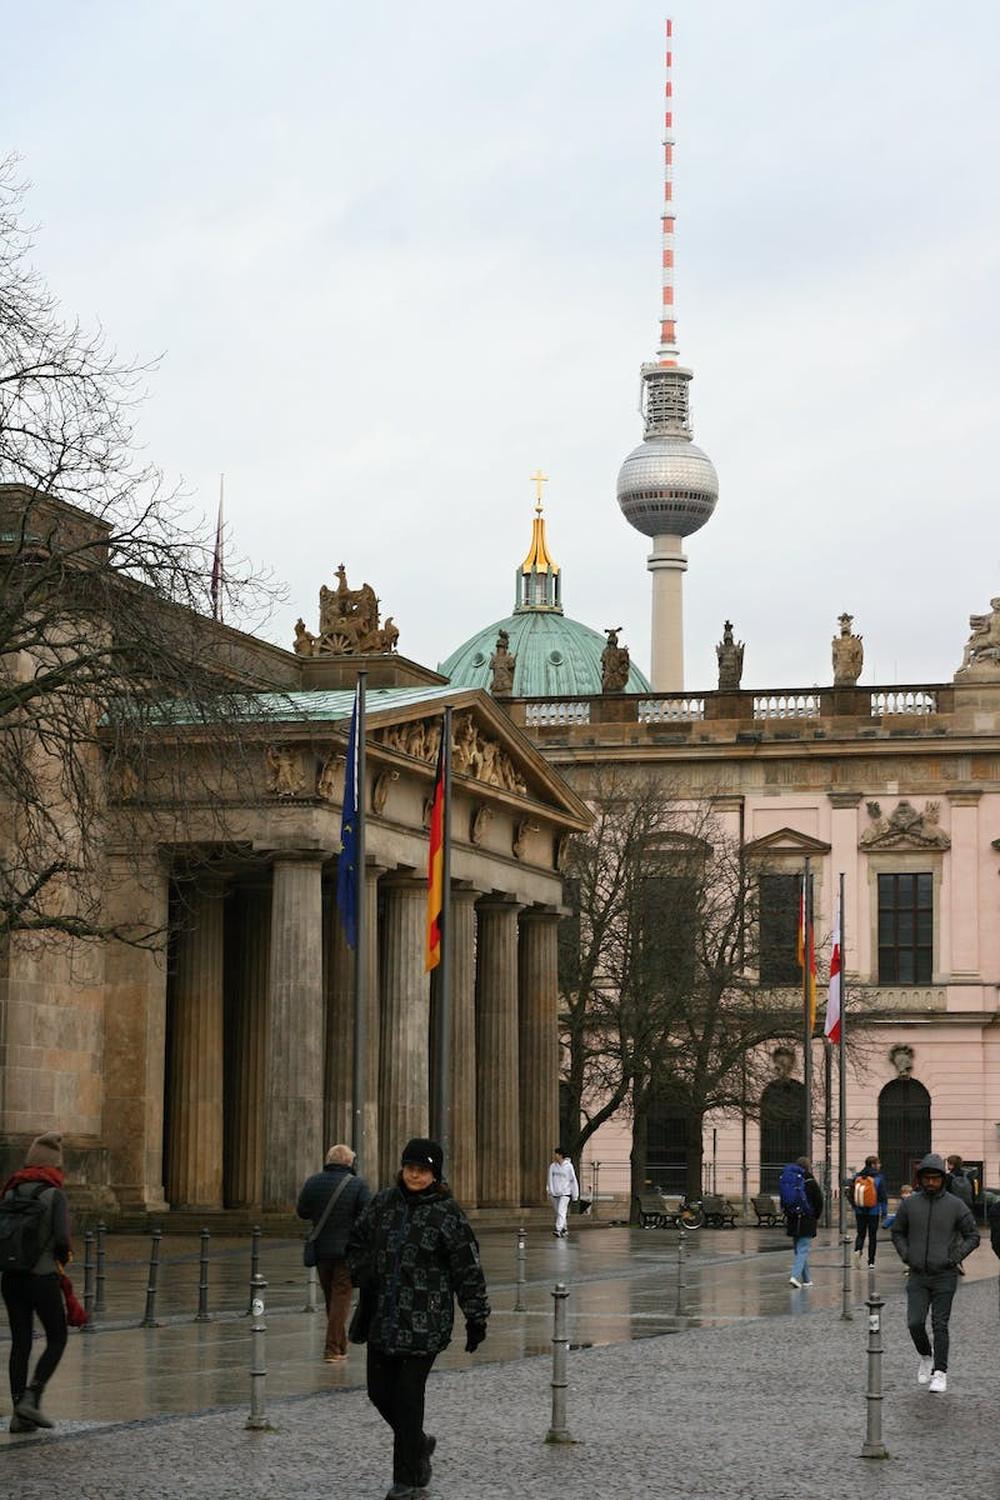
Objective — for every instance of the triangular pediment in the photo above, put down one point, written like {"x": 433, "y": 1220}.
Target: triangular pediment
{"x": 787, "y": 841}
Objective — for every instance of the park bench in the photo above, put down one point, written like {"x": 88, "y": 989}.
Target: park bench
{"x": 719, "y": 1212}
{"x": 768, "y": 1211}
{"x": 651, "y": 1211}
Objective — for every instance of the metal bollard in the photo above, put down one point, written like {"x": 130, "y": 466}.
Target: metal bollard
{"x": 254, "y": 1265}
{"x": 88, "y": 1280}
{"x": 558, "y": 1431}
{"x": 873, "y": 1445}
{"x": 521, "y": 1278}
{"x": 257, "y": 1420}
{"x": 595, "y": 1175}
{"x": 149, "y": 1321}
{"x": 312, "y": 1282}
{"x": 846, "y": 1310}
{"x": 102, "y": 1230}
{"x": 202, "y": 1315}
{"x": 680, "y": 1318}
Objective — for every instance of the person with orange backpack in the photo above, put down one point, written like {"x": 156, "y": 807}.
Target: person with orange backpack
{"x": 871, "y": 1204}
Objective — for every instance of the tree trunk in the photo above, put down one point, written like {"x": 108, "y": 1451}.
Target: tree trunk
{"x": 695, "y": 1146}
{"x": 640, "y": 1119}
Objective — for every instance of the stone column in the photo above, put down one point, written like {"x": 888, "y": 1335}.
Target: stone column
{"x": 461, "y": 1169}
{"x": 194, "y": 1156}
{"x": 246, "y": 1043}
{"x": 373, "y": 996}
{"x": 538, "y": 1038}
{"x": 338, "y": 970}
{"x": 135, "y": 1028}
{"x": 497, "y": 1103}
{"x": 404, "y": 1063}
{"x": 294, "y": 1065}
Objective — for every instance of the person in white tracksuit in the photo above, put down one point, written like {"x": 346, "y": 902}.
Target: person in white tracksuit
{"x": 563, "y": 1186}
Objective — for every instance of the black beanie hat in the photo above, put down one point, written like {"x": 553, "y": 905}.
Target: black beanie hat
{"x": 424, "y": 1153}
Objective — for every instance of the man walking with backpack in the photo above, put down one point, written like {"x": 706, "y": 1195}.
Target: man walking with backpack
{"x": 802, "y": 1204}
{"x": 34, "y": 1243}
{"x": 933, "y": 1233}
{"x": 871, "y": 1204}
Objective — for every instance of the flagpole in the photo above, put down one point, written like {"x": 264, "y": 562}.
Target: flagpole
{"x": 807, "y": 1068}
{"x": 359, "y": 1139}
{"x": 841, "y": 1071}
{"x": 442, "y": 1012}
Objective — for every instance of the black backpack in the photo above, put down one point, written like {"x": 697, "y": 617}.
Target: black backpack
{"x": 22, "y": 1229}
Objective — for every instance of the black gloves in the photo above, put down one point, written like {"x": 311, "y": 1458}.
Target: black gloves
{"x": 474, "y": 1335}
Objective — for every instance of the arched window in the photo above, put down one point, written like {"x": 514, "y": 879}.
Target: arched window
{"x": 904, "y": 1129}
{"x": 782, "y": 1128}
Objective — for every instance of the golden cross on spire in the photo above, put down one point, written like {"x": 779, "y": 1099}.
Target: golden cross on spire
{"x": 539, "y": 479}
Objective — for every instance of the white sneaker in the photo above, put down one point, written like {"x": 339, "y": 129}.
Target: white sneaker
{"x": 794, "y": 1281}
{"x": 857, "y": 1259}
{"x": 925, "y": 1369}
{"x": 939, "y": 1381}
{"x": 807, "y": 1283}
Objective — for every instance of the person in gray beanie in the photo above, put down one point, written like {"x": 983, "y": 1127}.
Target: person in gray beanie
{"x": 933, "y": 1232}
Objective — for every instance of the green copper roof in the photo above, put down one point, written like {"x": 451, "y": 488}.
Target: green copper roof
{"x": 314, "y": 705}
{"x": 555, "y": 655}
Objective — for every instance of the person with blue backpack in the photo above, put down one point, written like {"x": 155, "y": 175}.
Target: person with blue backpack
{"x": 802, "y": 1204}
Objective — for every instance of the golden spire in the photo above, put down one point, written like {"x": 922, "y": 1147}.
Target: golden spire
{"x": 539, "y": 559}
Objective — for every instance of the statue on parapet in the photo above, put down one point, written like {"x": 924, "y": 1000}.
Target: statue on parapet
{"x": 348, "y": 623}
{"x": 730, "y": 658}
{"x": 615, "y": 663}
{"x": 981, "y": 658}
{"x": 848, "y": 654}
{"x": 502, "y": 665}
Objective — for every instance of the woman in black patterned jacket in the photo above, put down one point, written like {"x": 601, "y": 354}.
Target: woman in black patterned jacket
{"x": 412, "y": 1252}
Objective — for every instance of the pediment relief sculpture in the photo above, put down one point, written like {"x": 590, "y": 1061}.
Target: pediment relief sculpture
{"x": 785, "y": 841}
{"x": 904, "y": 828}
{"x": 349, "y": 624}
{"x": 285, "y": 776}
{"x": 473, "y": 752}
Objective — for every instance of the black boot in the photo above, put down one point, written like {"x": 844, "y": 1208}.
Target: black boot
{"x": 29, "y": 1409}
{"x": 430, "y": 1443}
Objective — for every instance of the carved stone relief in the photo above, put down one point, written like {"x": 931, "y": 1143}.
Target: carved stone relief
{"x": 380, "y": 790}
{"x": 482, "y": 817}
{"x": 348, "y": 623}
{"x": 522, "y": 830}
{"x": 328, "y": 778}
{"x": 285, "y": 777}
{"x": 905, "y": 828}
{"x": 473, "y": 753}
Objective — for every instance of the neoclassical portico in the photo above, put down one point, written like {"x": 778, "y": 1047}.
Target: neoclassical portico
{"x": 256, "y": 1003}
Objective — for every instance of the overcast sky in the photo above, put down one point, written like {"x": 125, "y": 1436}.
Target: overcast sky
{"x": 397, "y": 256}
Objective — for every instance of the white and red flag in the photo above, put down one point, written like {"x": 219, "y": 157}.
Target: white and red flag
{"x": 831, "y": 1029}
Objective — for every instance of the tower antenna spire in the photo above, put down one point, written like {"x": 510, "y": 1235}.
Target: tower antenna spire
{"x": 668, "y": 315}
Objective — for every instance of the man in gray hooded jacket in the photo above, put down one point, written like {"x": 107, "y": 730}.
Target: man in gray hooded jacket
{"x": 933, "y": 1232}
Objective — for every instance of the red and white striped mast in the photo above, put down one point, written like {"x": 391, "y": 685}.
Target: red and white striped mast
{"x": 668, "y": 318}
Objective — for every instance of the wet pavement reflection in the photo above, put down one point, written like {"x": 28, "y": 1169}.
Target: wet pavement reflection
{"x": 623, "y": 1283}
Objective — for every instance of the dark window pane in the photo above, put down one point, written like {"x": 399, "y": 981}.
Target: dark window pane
{"x": 923, "y": 966}
{"x": 904, "y": 931}
{"x": 905, "y": 928}
{"x": 925, "y": 887}
{"x": 887, "y": 965}
{"x": 904, "y": 966}
{"x": 779, "y": 929}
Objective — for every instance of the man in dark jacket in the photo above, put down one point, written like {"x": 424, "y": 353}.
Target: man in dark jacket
{"x": 933, "y": 1232}
{"x": 801, "y": 1226}
{"x": 331, "y": 1242}
{"x": 412, "y": 1253}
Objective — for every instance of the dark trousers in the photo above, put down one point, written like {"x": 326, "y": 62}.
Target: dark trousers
{"x": 24, "y": 1295}
{"x": 396, "y": 1389}
{"x": 335, "y": 1279}
{"x": 867, "y": 1225}
{"x": 935, "y": 1293}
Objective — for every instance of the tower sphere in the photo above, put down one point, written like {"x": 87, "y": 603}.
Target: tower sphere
{"x": 667, "y": 487}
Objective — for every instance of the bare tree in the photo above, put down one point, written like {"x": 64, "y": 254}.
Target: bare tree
{"x": 104, "y": 588}
{"x": 661, "y": 1000}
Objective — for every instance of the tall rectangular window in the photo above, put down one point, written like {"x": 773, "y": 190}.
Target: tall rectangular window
{"x": 668, "y": 930}
{"x": 779, "y": 929}
{"x": 905, "y": 929}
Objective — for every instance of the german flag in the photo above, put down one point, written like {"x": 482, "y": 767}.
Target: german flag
{"x": 435, "y": 867}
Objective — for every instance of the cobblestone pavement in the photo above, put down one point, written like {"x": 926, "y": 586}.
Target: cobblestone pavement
{"x": 763, "y": 1409}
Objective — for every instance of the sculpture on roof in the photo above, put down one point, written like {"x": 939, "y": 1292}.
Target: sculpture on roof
{"x": 730, "y": 658}
{"x": 615, "y": 664}
{"x": 348, "y": 623}
{"x": 982, "y": 650}
{"x": 502, "y": 665}
{"x": 848, "y": 654}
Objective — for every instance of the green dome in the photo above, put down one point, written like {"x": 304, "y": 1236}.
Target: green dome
{"x": 555, "y": 656}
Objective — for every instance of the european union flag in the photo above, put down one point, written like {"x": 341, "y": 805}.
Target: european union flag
{"x": 347, "y": 864}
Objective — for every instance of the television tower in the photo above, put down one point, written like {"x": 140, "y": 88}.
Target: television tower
{"x": 667, "y": 487}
